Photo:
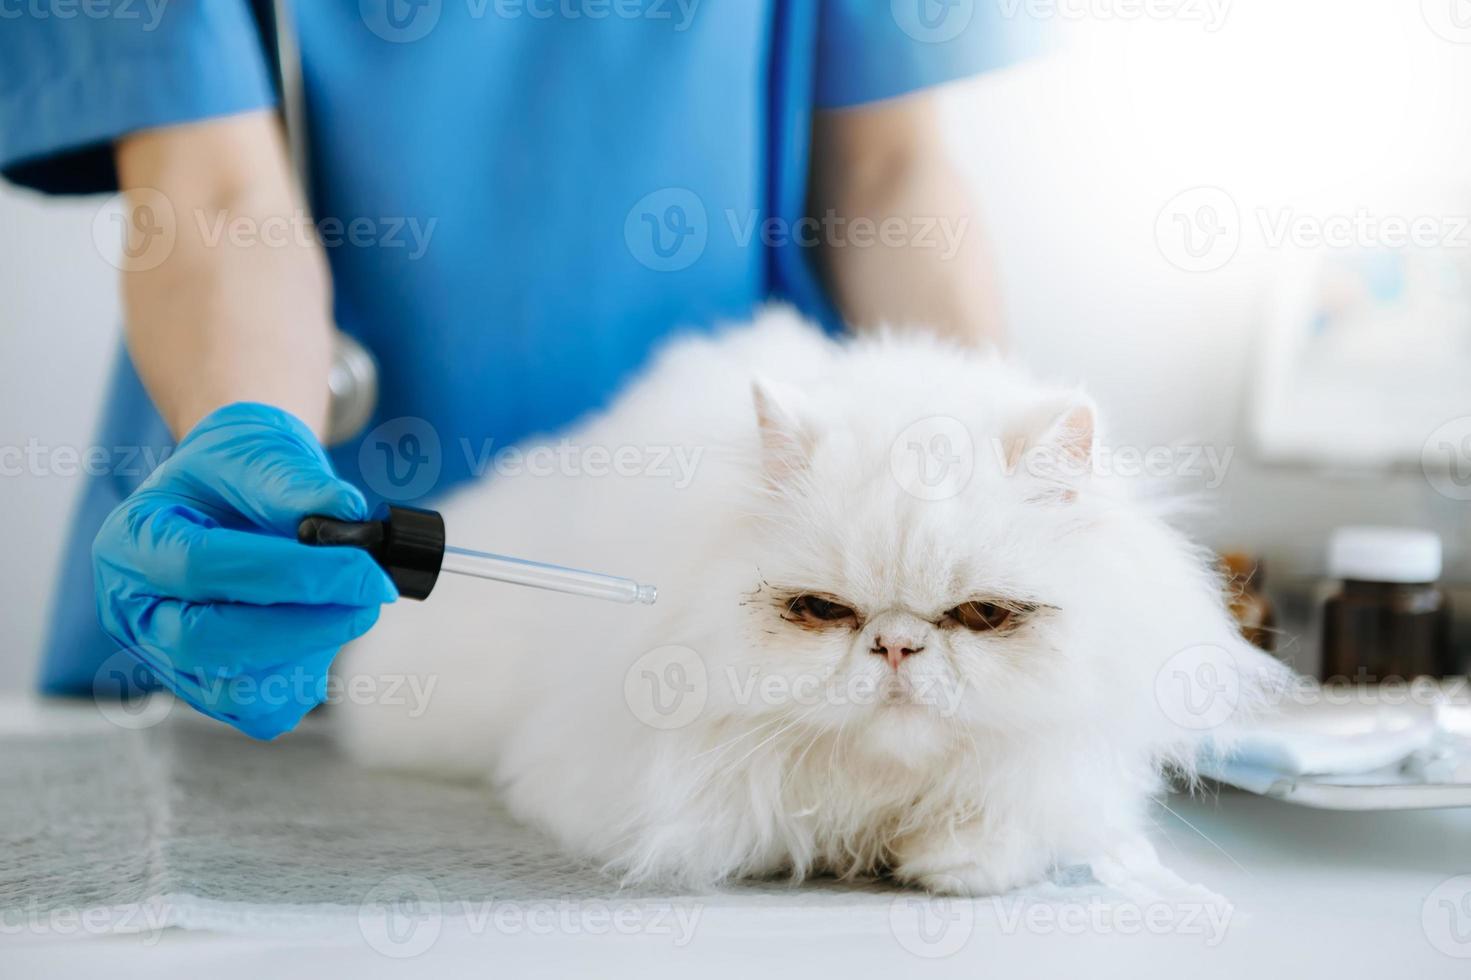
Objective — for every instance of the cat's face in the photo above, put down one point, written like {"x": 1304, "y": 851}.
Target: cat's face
{"x": 910, "y": 617}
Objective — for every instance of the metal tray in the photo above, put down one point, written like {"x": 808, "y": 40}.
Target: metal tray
{"x": 1416, "y": 757}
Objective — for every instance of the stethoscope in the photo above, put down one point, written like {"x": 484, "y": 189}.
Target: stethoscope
{"x": 353, "y": 379}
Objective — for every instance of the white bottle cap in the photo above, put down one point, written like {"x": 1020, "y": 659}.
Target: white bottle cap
{"x": 1384, "y": 554}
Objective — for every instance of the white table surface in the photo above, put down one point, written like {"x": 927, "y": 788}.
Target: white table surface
{"x": 1315, "y": 893}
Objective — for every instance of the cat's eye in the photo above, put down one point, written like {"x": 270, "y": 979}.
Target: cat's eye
{"x": 814, "y": 610}
{"x": 985, "y": 617}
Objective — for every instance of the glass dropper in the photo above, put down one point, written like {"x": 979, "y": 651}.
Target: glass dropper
{"x": 410, "y": 546}
{"x": 553, "y": 578}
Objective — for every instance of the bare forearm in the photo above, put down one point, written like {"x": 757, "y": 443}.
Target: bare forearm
{"x": 923, "y": 258}
{"x": 239, "y": 307}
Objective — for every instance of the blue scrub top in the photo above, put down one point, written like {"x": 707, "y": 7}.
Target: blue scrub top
{"x": 520, "y": 198}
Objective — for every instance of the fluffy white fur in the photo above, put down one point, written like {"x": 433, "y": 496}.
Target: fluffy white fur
{"x": 986, "y": 758}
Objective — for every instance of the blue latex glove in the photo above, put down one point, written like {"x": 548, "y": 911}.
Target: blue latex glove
{"x": 199, "y": 574}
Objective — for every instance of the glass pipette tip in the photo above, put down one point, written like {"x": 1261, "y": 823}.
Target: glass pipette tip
{"x": 553, "y": 578}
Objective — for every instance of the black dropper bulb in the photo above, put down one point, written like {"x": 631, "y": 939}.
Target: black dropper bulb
{"x": 406, "y": 541}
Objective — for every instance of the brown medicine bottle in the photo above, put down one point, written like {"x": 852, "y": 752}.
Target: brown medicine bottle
{"x": 1388, "y": 618}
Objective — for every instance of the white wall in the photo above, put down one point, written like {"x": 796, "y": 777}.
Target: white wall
{"x": 1315, "y": 105}
{"x": 1074, "y": 159}
{"x": 58, "y": 333}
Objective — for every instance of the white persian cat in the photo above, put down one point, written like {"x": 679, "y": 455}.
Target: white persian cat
{"x": 904, "y": 627}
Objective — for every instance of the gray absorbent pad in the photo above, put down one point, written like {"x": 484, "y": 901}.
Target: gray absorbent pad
{"x": 186, "y": 823}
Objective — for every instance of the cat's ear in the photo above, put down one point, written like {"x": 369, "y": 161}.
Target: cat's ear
{"x": 786, "y": 443}
{"x": 1056, "y": 443}
{"x": 1073, "y": 433}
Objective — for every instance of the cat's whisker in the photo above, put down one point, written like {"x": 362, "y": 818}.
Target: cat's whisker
{"x": 776, "y": 734}
{"x": 616, "y": 842}
{"x": 796, "y": 765}
{"x": 832, "y": 760}
{"x": 1205, "y": 837}
{"x": 975, "y": 748}
{"x": 1159, "y": 826}
{"x": 768, "y": 739}
{"x": 759, "y": 726}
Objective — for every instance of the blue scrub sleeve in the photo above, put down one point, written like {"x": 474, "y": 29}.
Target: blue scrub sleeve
{"x": 868, "y": 50}
{"x": 75, "y": 77}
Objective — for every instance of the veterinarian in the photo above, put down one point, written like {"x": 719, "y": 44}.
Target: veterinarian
{"x": 512, "y": 203}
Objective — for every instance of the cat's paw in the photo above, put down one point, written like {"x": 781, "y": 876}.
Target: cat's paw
{"x": 972, "y": 880}
{"x": 978, "y": 865}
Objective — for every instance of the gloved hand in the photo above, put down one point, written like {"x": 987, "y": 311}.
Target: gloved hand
{"x": 199, "y": 574}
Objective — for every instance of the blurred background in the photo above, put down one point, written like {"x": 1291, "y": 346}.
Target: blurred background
{"x": 1242, "y": 224}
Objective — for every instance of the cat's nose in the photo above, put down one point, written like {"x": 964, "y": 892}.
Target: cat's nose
{"x": 895, "y": 648}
